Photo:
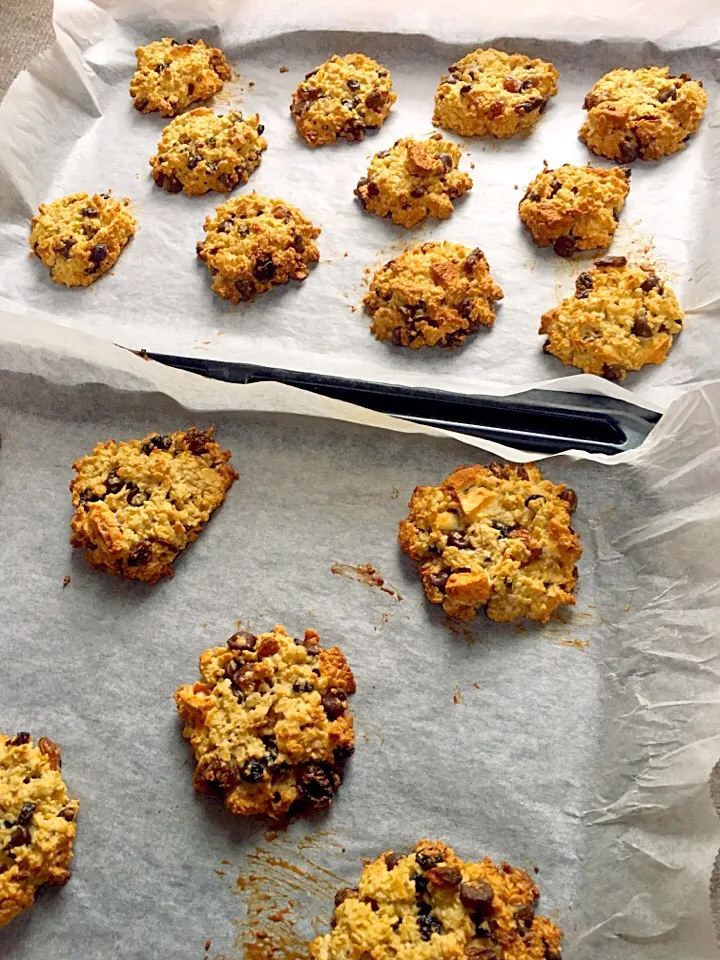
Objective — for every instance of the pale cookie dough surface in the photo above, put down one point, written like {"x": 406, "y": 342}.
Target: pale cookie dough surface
{"x": 432, "y": 295}
{"x": 139, "y": 503}
{"x": 497, "y": 537}
{"x": 429, "y": 904}
{"x": 496, "y": 94}
{"x": 37, "y": 822}
{"x": 269, "y": 723}
{"x": 202, "y": 150}
{"x": 171, "y": 75}
{"x": 642, "y": 114}
{"x": 80, "y": 237}
{"x": 254, "y": 243}
{"x": 342, "y": 98}
{"x": 413, "y": 180}
{"x": 621, "y": 317}
{"x": 575, "y": 208}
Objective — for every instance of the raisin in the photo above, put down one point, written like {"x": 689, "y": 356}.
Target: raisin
{"x": 18, "y": 740}
{"x": 26, "y": 814}
{"x": 428, "y": 926}
{"x": 584, "y": 281}
{"x": 90, "y": 212}
{"x": 193, "y": 160}
{"x": 446, "y": 160}
{"x": 51, "y": 751}
{"x": 465, "y": 88}
{"x": 253, "y": 771}
{"x": 303, "y": 686}
{"x": 113, "y": 483}
{"x": 135, "y": 496}
{"x": 534, "y": 496}
{"x": 477, "y": 897}
{"x": 334, "y": 704}
{"x": 495, "y": 110}
{"x": 439, "y": 579}
{"x": 67, "y": 814}
{"x": 161, "y": 66}
{"x": 171, "y": 184}
{"x": 246, "y": 289}
{"x": 526, "y": 85}
{"x": 392, "y": 859}
{"x": 346, "y": 893}
{"x": 98, "y": 253}
{"x": 629, "y": 150}
{"x": 425, "y": 859}
{"x": 268, "y": 647}
{"x": 565, "y": 246}
{"x": 512, "y": 85}
{"x": 501, "y": 528}
{"x": 141, "y": 104}
{"x": 261, "y": 129}
{"x": 524, "y": 916}
{"x": 649, "y": 284}
{"x": 242, "y": 640}
{"x": 219, "y": 774}
{"x": 316, "y": 784}
{"x": 372, "y": 189}
{"x": 157, "y": 442}
{"x": 141, "y": 554}
{"x": 611, "y": 262}
{"x": 197, "y": 441}
{"x": 665, "y": 95}
{"x": 376, "y": 100}
{"x": 570, "y": 498}
{"x": 421, "y": 882}
{"x": 264, "y": 268}
{"x": 298, "y": 242}
{"x": 529, "y": 105}
{"x": 445, "y": 877}
{"x": 19, "y": 837}
{"x": 67, "y": 245}
{"x": 475, "y": 257}
{"x": 458, "y": 540}
{"x": 353, "y": 84}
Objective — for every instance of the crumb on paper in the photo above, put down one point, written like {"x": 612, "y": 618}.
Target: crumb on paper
{"x": 581, "y": 645}
{"x": 66, "y": 581}
{"x": 395, "y": 493}
{"x": 220, "y": 873}
{"x": 516, "y": 187}
{"x": 365, "y": 573}
{"x": 143, "y": 354}
{"x": 208, "y": 944}
{"x": 353, "y": 308}
{"x": 345, "y": 254}
{"x": 472, "y": 165}
{"x": 476, "y": 684}
{"x": 226, "y": 862}
{"x": 251, "y": 83}
{"x": 284, "y": 69}
{"x": 457, "y": 696}
{"x": 545, "y": 163}
{"x": 384, "y": 618}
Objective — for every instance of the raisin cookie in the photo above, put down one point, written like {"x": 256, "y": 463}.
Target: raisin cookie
{"x": 414, "y": 180}
{"x": 202, "y": 151}
{"x": 621, "y": 317}
{"x": 37, "y": 822}
{"x": 139, "y": 503}
{"x": 498, "y": 537}
{"x": 269, "y": 723}
{"x": 254, "y": 243}
{"x": 80, "y": 237}
{"x": 341, "y": 99}
{"x": 432, "y": 295}
{"x": 645, "y": 114}
{"x": 428, "y": 904}
{"x": 575, "y": 208}
{"x": 496, "y": 94}
{"x": 171, "y": 75}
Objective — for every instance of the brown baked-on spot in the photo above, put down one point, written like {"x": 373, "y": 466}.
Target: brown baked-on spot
{"x": 51, "y": 750}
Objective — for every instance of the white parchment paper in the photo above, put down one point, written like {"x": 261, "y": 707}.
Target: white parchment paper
{"x": 508, "y": 740}
{"x": 68, "y": 124}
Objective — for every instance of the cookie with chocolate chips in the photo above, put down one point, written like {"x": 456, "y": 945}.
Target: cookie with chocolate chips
{"x": 80, "y": 237}
{"x": 269, "y": 723}
{"x": 621, "y": 317}
{"x": 140, "y": 503}
{"x": 37, "y": 822}
{"x": 341, "y": 99}
{"x": 171, "y": 75}
{"x": 254, "y": 243}
{"x": 428, "y": 903}
{"x": 496, "y": 537}
{"x": 642, "y": 114}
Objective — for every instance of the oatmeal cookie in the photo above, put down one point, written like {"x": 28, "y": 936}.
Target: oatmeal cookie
{"x": 80, "y": 237}
{"x": 201, "y": 151}
{"x": 342, "y": 98}
{"x": 621, "y": 317}
{"x": 642, "y": 114}
{"x": 432, "y": 295}
{"x": 414, "y": 180}
{"x": 171, "y": 75}
{"x": 496, "y": 94}
{"x": 575, "y": 208}
{"x": 37, "y": 822}
{"x": 139, "y": 503}
{"x": 428, "y": 904}
{"x": 269, "y": 723}
{"x": 254, "y": 243}
{"x": 498, "y": 537}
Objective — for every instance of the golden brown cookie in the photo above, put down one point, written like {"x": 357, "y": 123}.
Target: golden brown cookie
{"x": 342, "y": 98}
{"x": 413, "y": 180}
{"x": 139, "y": 503}
{"x": 495, "y": 94}
{"x": 432, "y": 295}
{"x": 575, "y": 208}
{"x": 269, "y": 723}
{"x": 80, "y": 237}
{"x": 37, "y": 822}
{"x": 201, "y": 151}
{"x": 621, "y": 317}
{"x": 171, "y": 75}
{"x": 428, "y": 904}
{"x": 497, "y": 537}
{"x": 254, "y": 243}
{"x": 642, "y": 114}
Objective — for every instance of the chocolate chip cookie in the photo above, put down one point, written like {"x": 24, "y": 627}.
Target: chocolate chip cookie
{"x": 432, "y": 295}
{"x": 429, "y": 904}
{"x": 342, "y": 98}
{"x": 201, "y": 151}
{"x": 37, "y": 822}
{"x": 171, "y": 75}
{"x": 621, "y": 317}
{"x": 413, "y": 180}
{"x": 254, "y": 243}
{"x": 642, "y": 114}
{"x": 140, "y": 503}
{"x": 269, "y": 723}
{"x": 497, "y": 537}
{"x": 80, "y": 237}
{"x": 489, "y": 93}
{"x": 575, "y": 208}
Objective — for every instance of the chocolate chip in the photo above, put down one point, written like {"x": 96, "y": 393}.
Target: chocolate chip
{"x": 197, "y": 441}
{"x": 316, "y": 784}
{"x": 649, "y": 284}
{"x": 458, "y": 540}
{"x": 135, "y": 496}
{"x": 423, "y": 908}
{"x": 641, "y": 328}
{"x": 446, "y": 160}
{"x": 246, "y": 289}
{"x": 376, "y": 100}
{"x": 19, "y": 837}
{"x": 242, "y": 640}
{"x": 570, "y": 498}
{"x": 565, "y": 246}
{"x": 477, "y": 897}
{"x": 334, "y": 703}
{"x": 353, "y": 84}
{"x": 446, "y": 877}
{"x": 26, "y": 814}
{"x": 425, "y": 859}
{"x": 428, "y": 926}
{"x": 665, "y": 95}
{"x": 171, "y": 184}
{"x": 372, "y": 189}
{"x": 530, "y": 105}
{"x": 439, "y": 579}
{"x": 193, "y": 160}
{"x": 465, "y": 88}
{"x": 392, "y": 859}
{"x": 613, "y": 372}
{"x": 253, "y": 771}
{"x": 534, "y": 496}
{"x": 67, "y": 814}
{"x": 18, "y": 740}
{"x": 113, "y": 483}
{"x": 629, "y": 150}
{"x": 264, "y": 268}
{"x": 475, "y": 257}
{"x": 533, "y": 196}
{"x": 261, "y": 128}
{"x": 141, "y": 554}
{"x": 98, "y": 253}
{"x": 346, "y": 893}
{"x": 611, "y": 262}
{"x": 174, "y": 43}
{"x": 512, "y": 85}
